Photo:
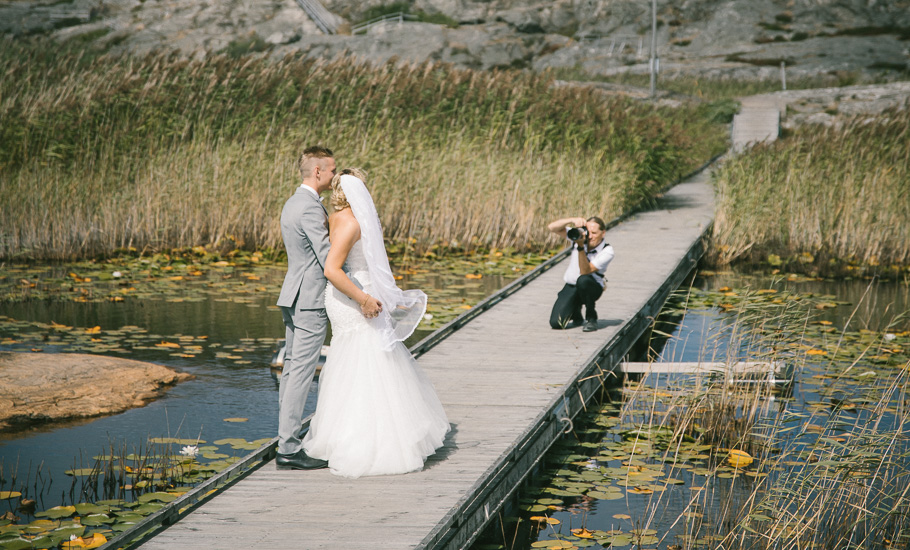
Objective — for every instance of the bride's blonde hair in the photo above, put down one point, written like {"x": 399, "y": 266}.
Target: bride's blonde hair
{"x": 338, "y": 200}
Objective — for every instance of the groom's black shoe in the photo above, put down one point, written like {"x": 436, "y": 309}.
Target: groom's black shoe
{"x": 299, "y": 461}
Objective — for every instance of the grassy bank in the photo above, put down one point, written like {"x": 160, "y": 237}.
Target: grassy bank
{"x": 98, "y": 154}
{"x": 825, "y": 200}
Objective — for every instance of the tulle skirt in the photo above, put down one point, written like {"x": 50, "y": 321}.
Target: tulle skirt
{"x": 377, "y": 413}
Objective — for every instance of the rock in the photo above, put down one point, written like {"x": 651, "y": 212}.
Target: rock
{"x": 282, "y": 37}
{"x": 743, "y": 39}
{"x": 45, "y": 387}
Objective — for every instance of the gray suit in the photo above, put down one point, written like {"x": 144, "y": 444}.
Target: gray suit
{"x": 305, "y": 231}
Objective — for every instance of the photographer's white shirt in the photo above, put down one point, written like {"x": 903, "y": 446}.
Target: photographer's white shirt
{"x": 600, "y": 257}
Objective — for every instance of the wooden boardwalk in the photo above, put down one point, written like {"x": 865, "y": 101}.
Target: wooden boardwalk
{"x": 758, "y": 121}
{"x": 505, "y": 380}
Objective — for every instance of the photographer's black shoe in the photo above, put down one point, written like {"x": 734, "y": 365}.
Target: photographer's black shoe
{"x": 590, "y": 325}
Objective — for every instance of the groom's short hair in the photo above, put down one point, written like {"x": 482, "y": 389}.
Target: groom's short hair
{"x": 311, "y": 155}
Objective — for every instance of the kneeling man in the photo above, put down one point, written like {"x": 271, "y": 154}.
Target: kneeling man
{"x": 584, "y": 277}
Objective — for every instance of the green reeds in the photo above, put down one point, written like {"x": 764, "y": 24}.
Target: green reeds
{"x": 826, "y": 199}
{"x": 99, "y": 154}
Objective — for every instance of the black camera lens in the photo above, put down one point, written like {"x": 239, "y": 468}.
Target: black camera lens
{"x": 575, "y": 233}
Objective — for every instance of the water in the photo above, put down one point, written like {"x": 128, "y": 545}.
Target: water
{"x": 234, "y": 334}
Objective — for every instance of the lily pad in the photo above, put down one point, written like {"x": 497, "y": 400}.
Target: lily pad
{"x": 57, "y": 512}
{"x": 161, "y": 497}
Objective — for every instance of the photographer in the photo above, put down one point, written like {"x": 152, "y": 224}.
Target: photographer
{"x": 584, "y": 276}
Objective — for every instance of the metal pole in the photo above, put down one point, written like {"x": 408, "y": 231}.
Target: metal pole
{"x": 653, "y": 47}
{"x": 783, "y": 74}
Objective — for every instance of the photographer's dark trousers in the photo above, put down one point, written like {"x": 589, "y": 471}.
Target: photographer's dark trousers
{"x": 567, "y": 308}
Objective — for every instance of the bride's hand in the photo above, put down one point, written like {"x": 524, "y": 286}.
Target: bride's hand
{"x": 370, "y": 307}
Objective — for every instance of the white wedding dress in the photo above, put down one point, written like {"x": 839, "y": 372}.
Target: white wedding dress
{"x": 377, "y": 413}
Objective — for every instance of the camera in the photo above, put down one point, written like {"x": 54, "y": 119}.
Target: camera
{"x": 575, "y": 233}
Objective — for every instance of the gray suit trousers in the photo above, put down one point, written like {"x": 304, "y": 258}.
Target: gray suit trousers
{"x": 305, "y": 331}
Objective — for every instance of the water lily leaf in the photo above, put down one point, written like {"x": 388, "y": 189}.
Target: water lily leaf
{"x": 645, "y": 539}
{"x": 95, "y": 541}
{"x": 78, "y": 472}
{"x": 94, "y": 520}
{"x": 162, "y": 497}
{"x": 15, "y": 544}
{"x": 601, "y": 495}
{"x": 583, "y": 533}
{"x": 208, "y": 455}
{"x": 552, "y": 544}
{"x": 148, "y": 508}
{"x": 64, "y": 533}
{"x": 562, "y": 492}
{"x": 616, "y": 541}
{"x": 84, "y": 508}
{"x": 4, "y": 495}
{"x": 739, "y": 459}
{"x": 236, "y": 419}
{"x": 40, "y": 525}
{"x": 57, "y": 512}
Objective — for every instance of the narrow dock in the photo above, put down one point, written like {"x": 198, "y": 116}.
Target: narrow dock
{"x": 758, "y": 121}
{"x": 509, "y": 384}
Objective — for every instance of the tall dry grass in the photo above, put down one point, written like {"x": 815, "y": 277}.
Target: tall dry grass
{"x": 103, "y": 153}
{"x": 831, "y": 460}
{"x": 827, "y": 198}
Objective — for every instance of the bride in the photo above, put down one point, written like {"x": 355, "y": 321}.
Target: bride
{"x": 377, "y": 413}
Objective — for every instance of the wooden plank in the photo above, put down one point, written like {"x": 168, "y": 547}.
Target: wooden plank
{"x": 671, "y": 367}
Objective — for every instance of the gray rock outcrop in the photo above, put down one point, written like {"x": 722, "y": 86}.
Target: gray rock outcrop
{"x": 737, "y": 38}
{"x": 48, "y": 387}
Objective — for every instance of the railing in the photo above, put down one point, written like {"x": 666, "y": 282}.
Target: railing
{"x": 321, "y": 16}
{"x": 400, "y": 17}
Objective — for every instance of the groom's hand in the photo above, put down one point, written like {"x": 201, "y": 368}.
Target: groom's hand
{"x": 371, "y": 307}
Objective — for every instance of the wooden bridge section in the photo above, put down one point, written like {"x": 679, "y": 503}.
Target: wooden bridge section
{"x": 510, "y": 386}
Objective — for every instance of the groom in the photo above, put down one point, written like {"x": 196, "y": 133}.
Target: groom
{"x": 305, "y": 231}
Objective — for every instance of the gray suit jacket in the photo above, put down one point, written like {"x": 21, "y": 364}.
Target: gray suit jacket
{"x": 305, "y": 231}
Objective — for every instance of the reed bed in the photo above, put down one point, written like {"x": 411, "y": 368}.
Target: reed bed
{"x": 827, "y": 199}
{"x": 827, "y": 462}
{"x": 99, "y": 154}
{"x": 731, "y": 461}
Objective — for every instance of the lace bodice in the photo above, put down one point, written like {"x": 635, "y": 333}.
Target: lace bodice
{"x": 344, "y": 313}
{"x": 356, "y": 261}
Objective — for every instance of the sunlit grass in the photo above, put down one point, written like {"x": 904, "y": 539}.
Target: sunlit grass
{"x": 102, "y": 153}
{"x": 827, "y": 199}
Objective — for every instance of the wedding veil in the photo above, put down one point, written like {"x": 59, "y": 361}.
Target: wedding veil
{"x": 402, "y": 310}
